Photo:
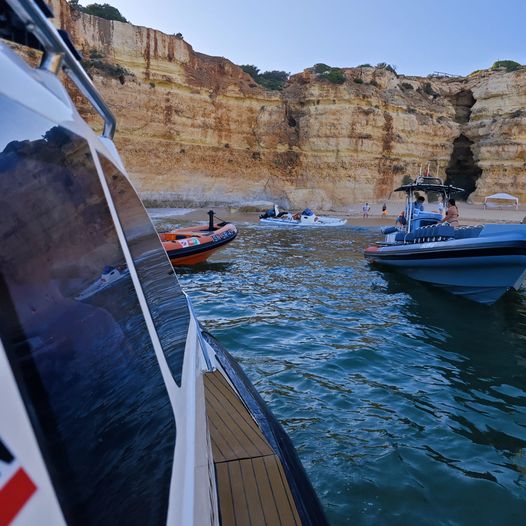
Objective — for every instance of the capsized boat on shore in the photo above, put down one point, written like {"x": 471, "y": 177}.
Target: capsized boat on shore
{"x": 116, "y": 406}
{"x": 195, "y": 244}
{"x": 307, "y": 218}
{"x": 479, "y": 263}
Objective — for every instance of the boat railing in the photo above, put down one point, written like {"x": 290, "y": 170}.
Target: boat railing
{"x": 58, "y": 56}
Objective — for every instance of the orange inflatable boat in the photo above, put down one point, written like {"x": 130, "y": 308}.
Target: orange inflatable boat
{"x": 195, "y": 244}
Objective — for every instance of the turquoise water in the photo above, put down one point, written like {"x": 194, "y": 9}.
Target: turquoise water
{"x": 406, "y": 405}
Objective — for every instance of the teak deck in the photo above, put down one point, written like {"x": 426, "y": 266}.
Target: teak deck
{"x": 252, "y": 486}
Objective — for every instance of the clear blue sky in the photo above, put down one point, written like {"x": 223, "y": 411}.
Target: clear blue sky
{"x": 418, "y": 36}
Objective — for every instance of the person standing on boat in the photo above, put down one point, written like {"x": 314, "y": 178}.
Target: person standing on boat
{"x": 401, "y": 219}
{"x": 441, "y": 206}
{"x": 419, "y": 203}
{"x": 366, "y": 209}
{"x": 452, "y": 214}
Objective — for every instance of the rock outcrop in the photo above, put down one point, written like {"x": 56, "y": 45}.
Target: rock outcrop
{"x": 195, "y": 129}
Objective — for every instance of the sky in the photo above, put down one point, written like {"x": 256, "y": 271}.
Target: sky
{"x": 417, "y": 36}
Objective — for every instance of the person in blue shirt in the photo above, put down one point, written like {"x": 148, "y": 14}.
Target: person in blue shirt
{"x": 401, "y": 219}
{"x": 419, "y": 203}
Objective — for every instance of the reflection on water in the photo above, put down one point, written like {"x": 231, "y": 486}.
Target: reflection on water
{"x": 407, "y": 405}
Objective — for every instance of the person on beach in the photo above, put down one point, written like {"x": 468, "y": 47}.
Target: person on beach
{"x": 366, "y": 209}
{"x": 452, "y": 214}
{"x": 384, "y": 209}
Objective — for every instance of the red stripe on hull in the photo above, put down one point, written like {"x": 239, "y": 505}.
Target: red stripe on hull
{"x": 14, "y": 495}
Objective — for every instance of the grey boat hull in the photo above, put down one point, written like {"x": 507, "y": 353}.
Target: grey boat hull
{"x": 480, "y": 269}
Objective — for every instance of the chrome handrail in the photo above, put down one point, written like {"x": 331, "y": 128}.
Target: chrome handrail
{"x": 54, "y": 46}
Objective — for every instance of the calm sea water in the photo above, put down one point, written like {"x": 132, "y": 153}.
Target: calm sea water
{"x": 406, "y": 405}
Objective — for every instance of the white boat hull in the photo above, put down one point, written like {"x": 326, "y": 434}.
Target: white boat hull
{"x": 322, "y": 221}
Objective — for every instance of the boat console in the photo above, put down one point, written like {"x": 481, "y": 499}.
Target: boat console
{"x": 421, "y": 219}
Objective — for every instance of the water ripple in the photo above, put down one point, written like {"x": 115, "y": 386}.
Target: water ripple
{"x": 406, "y": 405}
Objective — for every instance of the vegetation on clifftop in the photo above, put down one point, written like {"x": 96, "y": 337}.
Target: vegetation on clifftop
{"x": 334, "y": 75}
{"x": 273, "y": 80}
{"x": 508, "y": 65}
{"x": 388, "y": 67}
{"x": 106, "y": 11}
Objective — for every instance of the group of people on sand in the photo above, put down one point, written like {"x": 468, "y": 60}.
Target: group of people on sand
{"x": 366, "y": 208}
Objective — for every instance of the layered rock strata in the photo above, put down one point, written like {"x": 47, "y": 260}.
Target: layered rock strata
{"x": 195, "y": 129}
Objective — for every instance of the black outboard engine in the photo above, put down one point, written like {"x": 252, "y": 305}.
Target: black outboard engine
{"x": 268, "y": 213}
{"x": 211, "y": 220}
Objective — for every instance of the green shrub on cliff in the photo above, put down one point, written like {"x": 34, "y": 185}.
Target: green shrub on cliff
{"x": 336, "y": 76}
{"x": 273, "y": 80}
{"x": 253, "y": 71}
{"x": 106, "y": 11}
{"x": 388, "y": 67}
{"x": 96, "y": 62}
{"x": 508, "y": 65}
{"x": 321, "y": 68}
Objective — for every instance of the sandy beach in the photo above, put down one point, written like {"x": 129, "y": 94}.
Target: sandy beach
{"x": 470, "y": 214}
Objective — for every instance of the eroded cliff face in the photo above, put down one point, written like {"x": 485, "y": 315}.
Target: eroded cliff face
{"x": 195, "y": 129}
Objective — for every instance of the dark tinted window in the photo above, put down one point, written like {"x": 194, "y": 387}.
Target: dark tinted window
{"x": 74, "y": 332}
{"x": 166, "y": 301}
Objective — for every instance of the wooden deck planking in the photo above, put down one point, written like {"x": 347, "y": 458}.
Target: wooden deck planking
{"x": 234, "y": 436}
{"x": 252, "y": 486}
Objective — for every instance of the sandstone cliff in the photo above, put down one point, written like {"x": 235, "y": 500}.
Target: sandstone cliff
{"x": 195, "y": 129}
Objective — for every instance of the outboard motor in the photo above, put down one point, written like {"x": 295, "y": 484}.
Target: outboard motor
{"x": 211, "y": 220}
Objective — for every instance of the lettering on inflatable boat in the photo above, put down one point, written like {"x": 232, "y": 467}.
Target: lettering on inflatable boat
{"x": 223, "y": 235}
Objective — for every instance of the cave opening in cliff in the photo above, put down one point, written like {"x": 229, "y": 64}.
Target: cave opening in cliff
{"x": 462, "y": 171}
{"x": 462, "y": 102}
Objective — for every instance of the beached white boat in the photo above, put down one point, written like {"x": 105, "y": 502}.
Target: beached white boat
{"x": 303, "y": 221}
{"x": 116, "y": 406}
{"x": 321, "y": 221}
